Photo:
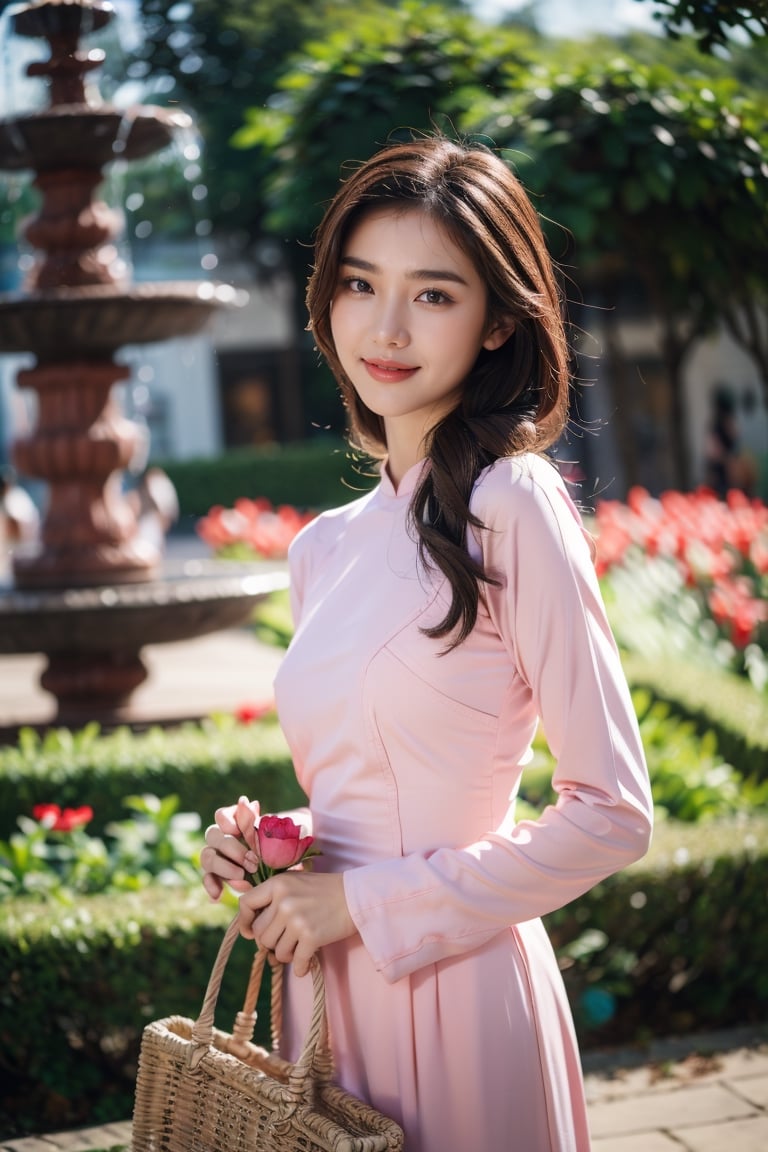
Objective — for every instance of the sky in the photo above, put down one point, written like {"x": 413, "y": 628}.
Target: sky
{"x": 577, "y": 17}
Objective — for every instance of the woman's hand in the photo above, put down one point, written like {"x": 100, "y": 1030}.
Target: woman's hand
{"x": 223, "y": 857}
{"x": 295, "y": 913}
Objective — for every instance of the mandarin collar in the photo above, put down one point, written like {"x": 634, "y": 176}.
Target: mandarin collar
{"x": 406, "y": 486}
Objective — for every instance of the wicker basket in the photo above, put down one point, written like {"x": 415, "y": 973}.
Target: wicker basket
{"x": 202, "y": 1090}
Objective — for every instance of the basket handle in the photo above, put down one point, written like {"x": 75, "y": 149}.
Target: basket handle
{"x": 245, "y": 1020}
{"x": 314, "y": 1062}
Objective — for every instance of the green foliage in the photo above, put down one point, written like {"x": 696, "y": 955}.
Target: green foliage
{"x": 192, "y": 53}
{"x": 691, "y": 781}
{"x": 616, "y": 151}
{"x": 157, "y": 845}
{"x": 199, "y": 763}
{"x": 311, "y": 475}
{"x": 713, "y": 701}
{"x": 674, "y": 943}
{"x": 77, "y": 986}
{"x": 386, "y": 74}
{"x": 273, "y": 621}
{"x": 654, "y": 178}
{"x": 712, "y": 23}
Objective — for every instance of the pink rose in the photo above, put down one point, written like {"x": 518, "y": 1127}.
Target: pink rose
{"x": 280, "y": 842}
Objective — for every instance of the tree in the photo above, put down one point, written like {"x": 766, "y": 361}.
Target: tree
{"x": 218, "y": 58}
{"x": 713, "y": 23}
{"x": 387, "y": 74}
{"x": 657, "y": 176}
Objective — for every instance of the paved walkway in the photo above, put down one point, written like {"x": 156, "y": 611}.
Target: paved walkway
{"x": 704, "y": 1094}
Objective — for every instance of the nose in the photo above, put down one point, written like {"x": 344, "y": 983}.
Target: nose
{"x": 391, "y": 329}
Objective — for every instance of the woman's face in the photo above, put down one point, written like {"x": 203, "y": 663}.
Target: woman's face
{"x": 408, "y": 318}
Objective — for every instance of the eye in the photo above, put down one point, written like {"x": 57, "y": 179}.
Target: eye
{"x": 434, "y": 296}
{"x": 357, "y": 285}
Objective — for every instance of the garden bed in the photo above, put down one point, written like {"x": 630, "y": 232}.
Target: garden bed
{"x": 675, "y": 943}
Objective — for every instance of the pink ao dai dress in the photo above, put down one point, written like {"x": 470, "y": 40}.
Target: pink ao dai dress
{"x": 448, "y": 1012}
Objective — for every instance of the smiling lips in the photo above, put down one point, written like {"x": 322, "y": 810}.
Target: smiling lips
{"x": 388, "y": 371}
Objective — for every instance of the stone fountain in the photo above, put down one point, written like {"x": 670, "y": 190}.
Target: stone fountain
{"x": 94, "y": 592}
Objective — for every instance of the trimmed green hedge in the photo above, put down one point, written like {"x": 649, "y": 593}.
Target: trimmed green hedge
{"x": 312, "y": 474}
{"x": 203, "y": 767}
{"x": 677, "y": 941}
{"x": 77, "y": 986}
{"x": 717, "y": 702}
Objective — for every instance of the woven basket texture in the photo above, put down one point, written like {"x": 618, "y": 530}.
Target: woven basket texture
{"x": 200, "y": 1089}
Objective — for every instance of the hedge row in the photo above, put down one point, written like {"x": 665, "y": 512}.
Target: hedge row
{"x": 312, "y": 474}
{"x": 674, "y": 943}
{"x": 679, "y": 939}
{"x": 77, "y": 986}
{"x": 204, "y": 765}
{"x": 721, "y": 703}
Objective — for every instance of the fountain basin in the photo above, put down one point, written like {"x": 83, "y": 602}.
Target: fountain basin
{"x": 79, "y": 136}
{"x": 65, "y": 323}
{"x": 190, "y": 599}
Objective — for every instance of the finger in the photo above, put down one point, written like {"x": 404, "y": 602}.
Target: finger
{"x": 225, "y": 820}
{"x": 258, "y": 911}
{"x": 214, "y": 864}
{"x": 245, "y": 818}
{"x": 259, "y": 897}
{"x": 213, "y": 886}
{"x": 249, "y": 923}
{"x": 224, "y": 845}
{"x": 302, "y": 959}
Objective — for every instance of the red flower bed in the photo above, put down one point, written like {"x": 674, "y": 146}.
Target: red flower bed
{"x": 252, "y": 529}
{"x": 719, "y": 551}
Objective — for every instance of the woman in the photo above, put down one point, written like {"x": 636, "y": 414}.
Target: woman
{"x": 439, "y": 619}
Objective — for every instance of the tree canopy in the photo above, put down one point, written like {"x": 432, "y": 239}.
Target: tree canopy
{"x": 713, "y": 23}
{"x": 387, "y": 74}
{"x": 654, "y": 176}
{"x": 219, "y": 58}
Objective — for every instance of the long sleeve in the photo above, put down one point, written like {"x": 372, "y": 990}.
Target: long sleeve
{"x": 548, "y": 612}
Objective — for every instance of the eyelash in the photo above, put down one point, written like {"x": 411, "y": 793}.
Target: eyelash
{"x": 350, "y": 283}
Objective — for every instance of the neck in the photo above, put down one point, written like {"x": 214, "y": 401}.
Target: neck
{"x": 403, "y": 451}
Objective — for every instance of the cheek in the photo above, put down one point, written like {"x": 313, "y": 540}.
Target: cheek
{"x": 337, "y": 322}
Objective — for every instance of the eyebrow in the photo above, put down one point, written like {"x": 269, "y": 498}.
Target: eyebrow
{"x": 423, "y": 274}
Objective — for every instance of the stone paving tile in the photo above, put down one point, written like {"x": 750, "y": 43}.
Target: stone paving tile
{"x": 752, "y": 1088}
{"x": 750, "y": 1135}
{"x": 31, "y": 1144}
{"x": 709, "y": 1104}
{"x": 646, "y": 1142}
{"x": 76, "y": 1140}
{"x": 747, "y": 1062}
{"x": 698, "y": 1067}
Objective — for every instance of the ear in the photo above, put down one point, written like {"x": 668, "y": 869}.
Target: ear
{"x": 498, "y": 335}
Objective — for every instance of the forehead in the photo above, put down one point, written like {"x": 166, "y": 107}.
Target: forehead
{"x": 405, "y": 237}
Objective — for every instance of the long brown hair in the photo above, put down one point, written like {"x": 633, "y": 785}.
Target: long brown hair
{"x": 515, "y": 398}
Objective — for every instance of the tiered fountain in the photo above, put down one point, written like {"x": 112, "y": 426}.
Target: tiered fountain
{"x": 93, "y": 592}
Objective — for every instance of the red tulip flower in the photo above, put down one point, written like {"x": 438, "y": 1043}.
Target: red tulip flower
{"x": 58, "y": 819}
